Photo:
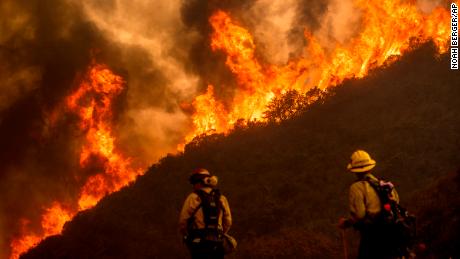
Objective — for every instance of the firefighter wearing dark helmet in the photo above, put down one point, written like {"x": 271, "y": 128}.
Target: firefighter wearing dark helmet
{"x": 365, "y": 206}
{"x": 205, "y": 217}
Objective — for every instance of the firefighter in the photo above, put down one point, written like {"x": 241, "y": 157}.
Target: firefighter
{"x": 365, "y": 208}
{"x": 205, "y": 217}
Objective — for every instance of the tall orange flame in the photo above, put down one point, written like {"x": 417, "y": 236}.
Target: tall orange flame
{"x": 388, "y": 29}
{"x": 92, "y": 103}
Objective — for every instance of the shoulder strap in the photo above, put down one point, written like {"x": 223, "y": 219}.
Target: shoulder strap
{"x": 381, "y": 192}
{"x": 216, "y": 194}
{"x": 374, "y": 183}
{"x": 384, "y": 192}
{"x": 199, "y": 206}
{"x": 201, "y": 194}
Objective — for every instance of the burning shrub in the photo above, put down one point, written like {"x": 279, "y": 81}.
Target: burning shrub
{"x": 291, "y": 104}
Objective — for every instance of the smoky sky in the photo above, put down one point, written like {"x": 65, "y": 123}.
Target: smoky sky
{"x": 52, "y": 39}
{"x": 277, "y": 27}
{"x": 160, "y": 48}
{"x": 45, "y": 46}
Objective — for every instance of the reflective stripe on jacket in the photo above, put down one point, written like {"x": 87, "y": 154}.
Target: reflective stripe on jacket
{"x": 364, "y": 200}
{"x": 191, "y": 204}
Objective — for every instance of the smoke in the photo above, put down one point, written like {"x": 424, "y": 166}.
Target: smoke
{"x": 132, "y": 23}
{"x": 42, "y": 45}
{"x": 340, "y": 23}
{"x": 17, "y": 82}
{"x": 17, "y": 78}
{"x": 427, "y": 6}
{"x": 152, "y": 121}
{"x": 273, "y": 21}
{"x": 277, "y": 27}
{"x": 47, "y": 46}
{"x": 160, "y": 48}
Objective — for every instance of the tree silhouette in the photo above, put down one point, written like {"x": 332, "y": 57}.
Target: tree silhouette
{"x": 291, "y": 104}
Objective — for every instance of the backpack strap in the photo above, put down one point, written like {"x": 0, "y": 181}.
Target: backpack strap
{"x": 384, "y": 190}
{"x": 374, "y": 182}
{"x": 216, "y": 193}
{"x": 196, "y": 209}
{"x": 190, "y": 220}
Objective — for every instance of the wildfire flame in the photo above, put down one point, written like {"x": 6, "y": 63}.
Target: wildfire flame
{"x": 52, "y": 222}
{"x": 388, "y": 29}
{"x": 92, "y": 103}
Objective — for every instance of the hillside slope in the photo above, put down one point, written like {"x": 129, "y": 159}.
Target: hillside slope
{"x": 287, "y": 184}
{"x": 438, "y": 210}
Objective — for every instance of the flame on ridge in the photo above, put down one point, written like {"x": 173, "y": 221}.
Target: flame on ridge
{"x": 52, "y": 222}
{"x": 389, "y": 28}
{"x": 92, "y": 103}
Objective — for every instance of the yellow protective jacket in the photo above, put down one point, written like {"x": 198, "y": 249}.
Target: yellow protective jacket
{"x": 192, "y": 202}
{"x": 364, "y": 200}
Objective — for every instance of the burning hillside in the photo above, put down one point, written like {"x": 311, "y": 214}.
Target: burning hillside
{"x": 287, "y": 183}
{"x": 98, "y": 91}
{"x": 389, "y": 29}
{"x": 91, "y": 102}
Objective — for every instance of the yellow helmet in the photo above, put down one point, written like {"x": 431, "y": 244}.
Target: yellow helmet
{"x": 361, "y": 161}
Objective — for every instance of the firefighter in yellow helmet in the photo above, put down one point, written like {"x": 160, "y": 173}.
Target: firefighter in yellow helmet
{"x": 205, "y": 217}
{"x": 365, "y": 208}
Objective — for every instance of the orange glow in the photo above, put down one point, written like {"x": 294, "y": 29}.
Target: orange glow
{"x": 92, "y": 103}
{"x": 388, "y": 30}
{"x": 52, "y": 222}
{"x": 209, "y": 114}
{"x": 25, "y": 242}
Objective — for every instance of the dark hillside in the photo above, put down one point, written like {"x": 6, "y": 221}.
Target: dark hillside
{"x": 438, "y": 208}
{"x": 287, "y": 184}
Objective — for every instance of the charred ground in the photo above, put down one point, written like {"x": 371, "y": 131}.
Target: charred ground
{"x": 287, "y": 184}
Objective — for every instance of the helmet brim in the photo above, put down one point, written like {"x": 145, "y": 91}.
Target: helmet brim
{"x": 362, "y": 168}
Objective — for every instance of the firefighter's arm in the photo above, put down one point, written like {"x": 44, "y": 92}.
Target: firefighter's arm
{"x": 190, "y": 205}
{"x": 357, "y": 207}
{"x": 227, "y": 215}
{"x": 357, "y": 203}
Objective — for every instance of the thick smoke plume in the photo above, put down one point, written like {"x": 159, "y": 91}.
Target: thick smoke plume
{"x": 161, "y": 49}
{"x": 45, "y": 48}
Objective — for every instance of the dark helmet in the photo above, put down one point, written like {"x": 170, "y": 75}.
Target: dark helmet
{"x": 199, "y": 175}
